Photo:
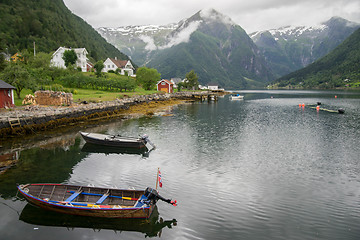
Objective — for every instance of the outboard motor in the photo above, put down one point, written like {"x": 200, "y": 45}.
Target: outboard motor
{"x": 145, "y": 137}
{"x": 341, "y": 110}
{"x": 153, "y": 195}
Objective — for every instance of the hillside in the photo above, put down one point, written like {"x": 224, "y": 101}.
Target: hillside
{"x": 50, "y": 24}
{"x": 288, "y": 49}
{"x": 340, "y": 68}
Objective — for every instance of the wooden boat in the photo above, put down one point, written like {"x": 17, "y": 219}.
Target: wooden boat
{"x": 92, "y": 201}
{"x": 116, "y": 140}
{"x": 236, "y": 97}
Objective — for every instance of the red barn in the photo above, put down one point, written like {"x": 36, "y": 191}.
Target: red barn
{"x": 6, "y": 95}
{"x": 165, "y": 86}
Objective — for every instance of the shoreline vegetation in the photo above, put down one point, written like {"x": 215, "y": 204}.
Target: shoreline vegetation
{"x": 32, "y": 119}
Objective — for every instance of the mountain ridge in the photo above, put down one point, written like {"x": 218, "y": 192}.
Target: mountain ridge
{"x": 282, "y": 51}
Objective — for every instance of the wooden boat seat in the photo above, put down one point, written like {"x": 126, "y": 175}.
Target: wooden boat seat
{"x": 73, "y": 196}
{"x": 139, "y": 203}
{"x": 102, "y": 199}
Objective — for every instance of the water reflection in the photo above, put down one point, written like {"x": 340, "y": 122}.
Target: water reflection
{"x": 93, "y": 148}
{"x": 151, "y": 227}
{"x": 262, "y": 168}
{"x": 8, "y": 160}
{"x": 42, "y": 164}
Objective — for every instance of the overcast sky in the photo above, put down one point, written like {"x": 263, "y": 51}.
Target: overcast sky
{"x": 251, "y": 15}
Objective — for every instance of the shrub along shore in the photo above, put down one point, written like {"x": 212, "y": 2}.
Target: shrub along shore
{"x": 34, "y": 118}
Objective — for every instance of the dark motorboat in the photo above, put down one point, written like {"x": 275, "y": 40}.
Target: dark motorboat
{"x": 92, "y": 201}
{"x": 151, "y": 227}
{"x": 116, "y": 140}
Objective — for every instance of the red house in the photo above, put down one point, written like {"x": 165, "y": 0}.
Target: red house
{"x": 6, "y": 95}
{"x": 165, "y": 86}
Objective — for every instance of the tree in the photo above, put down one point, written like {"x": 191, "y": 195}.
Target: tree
{"x": 147, "y": 77}
{"x": 17, "y": 75}
{"x": 99, "y": 65}
{"x": 192, "y": 80}
{"x": 2, "y": 62}
{"x": 69, "y": 57}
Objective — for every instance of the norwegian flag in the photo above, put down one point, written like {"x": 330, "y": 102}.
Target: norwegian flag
{"x": 159, "y": 178}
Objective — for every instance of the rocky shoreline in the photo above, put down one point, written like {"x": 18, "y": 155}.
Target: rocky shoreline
{"x": 34, "y": 118}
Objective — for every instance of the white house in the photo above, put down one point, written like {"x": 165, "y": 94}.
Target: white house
{"x": 213, "y": 86}
{"x": 124, "y": 66}
{"x": 58, "y": 61}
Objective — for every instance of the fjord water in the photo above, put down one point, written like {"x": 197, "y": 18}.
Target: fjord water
{"x": 258, "y": 168}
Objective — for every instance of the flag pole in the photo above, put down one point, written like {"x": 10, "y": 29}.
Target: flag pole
{"x": 157, "y": 178}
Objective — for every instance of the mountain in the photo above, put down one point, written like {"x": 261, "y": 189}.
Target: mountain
{"x": 209, "y": 43}
{"x": 50, "y": 24}
{"x": 340, "y": 68}
{"x": 291, "y": 48}
{"x": 216, "y": 48}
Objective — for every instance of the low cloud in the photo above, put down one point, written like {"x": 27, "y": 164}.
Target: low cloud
{"x": 183, "y": 35}
{"x": 150, "y": 44}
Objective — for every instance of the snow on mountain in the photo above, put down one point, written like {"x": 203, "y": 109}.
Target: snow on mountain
{"x": 292, "y": 32}
{"x": 133, "y": 31}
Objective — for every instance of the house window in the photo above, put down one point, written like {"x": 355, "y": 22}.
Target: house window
{"x": 113, "y": 66}
{"x": 163, "y": 83}
{"x": 9, "y": 93}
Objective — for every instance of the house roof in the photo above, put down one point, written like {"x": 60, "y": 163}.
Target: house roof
{"x": 119, "y": 63}
{"x": 165, "y": 80}
{"x": 6, "y": 85}
{"x": 77, "y": 50}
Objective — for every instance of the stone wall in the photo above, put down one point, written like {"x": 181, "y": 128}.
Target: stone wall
{"x": 53, "y": 98}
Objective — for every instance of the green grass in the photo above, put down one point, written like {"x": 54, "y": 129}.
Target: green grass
{"x": 90, "y": 95}
{"x": 23, "y": 93}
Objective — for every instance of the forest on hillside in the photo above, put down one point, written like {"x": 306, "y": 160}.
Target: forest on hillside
{"x": 49, "y": 24}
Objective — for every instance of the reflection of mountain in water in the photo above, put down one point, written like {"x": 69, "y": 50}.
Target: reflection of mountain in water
{"x": 151, "y": 227}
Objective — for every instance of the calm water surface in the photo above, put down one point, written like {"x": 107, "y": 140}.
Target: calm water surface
{"x": 258, "y": 168}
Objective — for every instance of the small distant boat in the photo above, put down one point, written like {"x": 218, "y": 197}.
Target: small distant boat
{"x": 236, "y": 97}
{"x": 116, "y": 140}
{"x": 93, "y": 201}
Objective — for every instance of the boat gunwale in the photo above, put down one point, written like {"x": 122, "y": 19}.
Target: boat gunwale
{"x": 113, "y": 137}
{"x": 69, "y": 206}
